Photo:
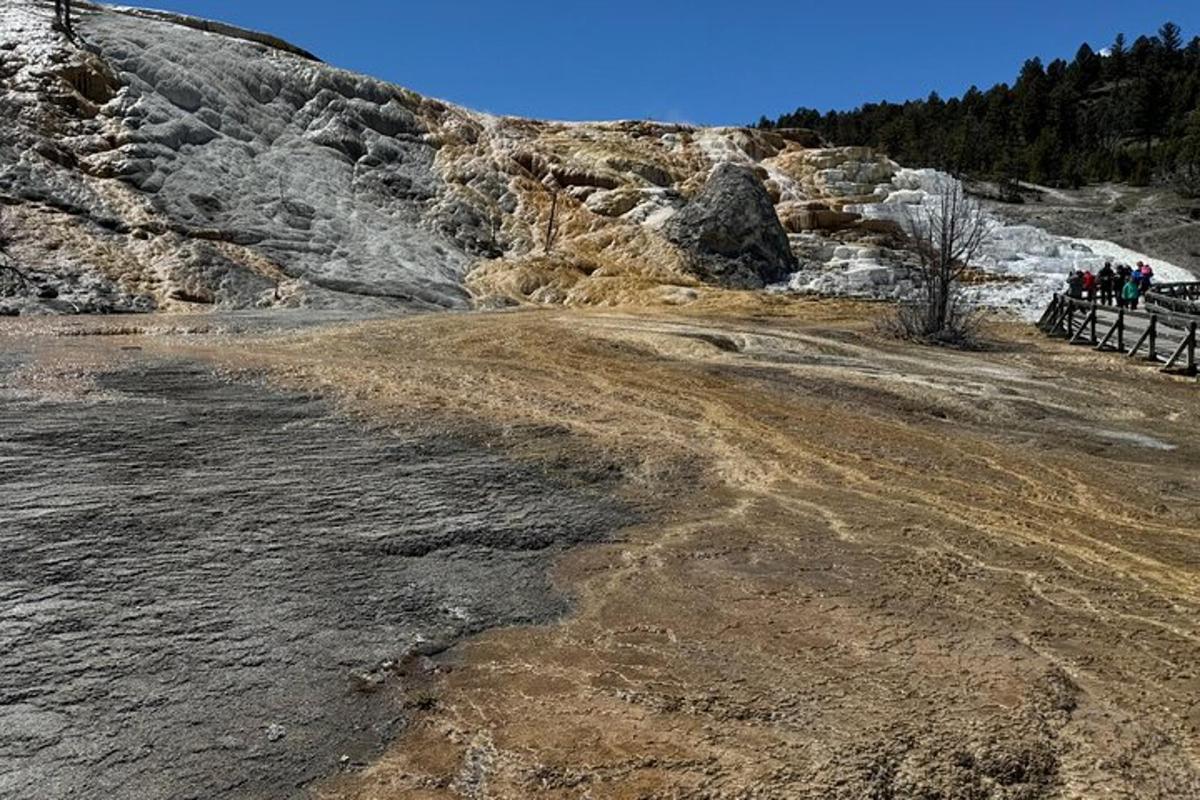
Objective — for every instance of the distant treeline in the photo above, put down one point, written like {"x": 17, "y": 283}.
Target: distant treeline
{"x": 1127, "y": 113}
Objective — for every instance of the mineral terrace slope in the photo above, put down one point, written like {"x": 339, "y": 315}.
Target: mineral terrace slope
{"x": 882, "y": 571}
{"x": 1156, "y": 221}
{"x": 163, "y": 161}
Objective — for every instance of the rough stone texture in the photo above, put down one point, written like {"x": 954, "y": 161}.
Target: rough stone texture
{"x": 202, "y": 583}
{"x": 142, "y": 153}
{"x": 731, "y": 233}
{"x": 797, "y": 218}
{"x": 169, "y": 162}
{"x": 172, "y": 163}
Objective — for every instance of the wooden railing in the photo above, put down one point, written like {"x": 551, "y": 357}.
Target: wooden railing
{"x": 1178, "y": 298}
{"x": 1153, "y": 333}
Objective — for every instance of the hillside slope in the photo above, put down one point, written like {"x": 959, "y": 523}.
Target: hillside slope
{"x": 163, "y": 161}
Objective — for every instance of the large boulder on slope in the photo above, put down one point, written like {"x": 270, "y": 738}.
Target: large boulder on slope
{"x": 730, "y": 233}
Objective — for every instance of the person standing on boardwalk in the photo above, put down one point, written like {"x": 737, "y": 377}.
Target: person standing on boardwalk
{"x": 1130, "y": 293}
{"x": 1075, "y": 285}
{"x": 1107, "y": 279}
{"x": 1089, "y": 286}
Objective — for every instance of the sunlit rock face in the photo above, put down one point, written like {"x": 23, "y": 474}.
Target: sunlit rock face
{"x": 731, "y": 233}
{"x": 167, "y": 162}
{"x": 190, "y": 166}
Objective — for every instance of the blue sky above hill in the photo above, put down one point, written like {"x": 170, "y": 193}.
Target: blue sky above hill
{"x": 701, "y": 61}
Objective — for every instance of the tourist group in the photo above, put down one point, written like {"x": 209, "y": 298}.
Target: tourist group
{"x": 1122, "y": 285}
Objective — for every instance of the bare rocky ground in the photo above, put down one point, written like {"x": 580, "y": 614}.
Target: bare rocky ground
{"x": 863, "y": 569}
{"x": 882, "y": 571}
{"x": 215, "y": 589}
{"x": 1155, "y": 221}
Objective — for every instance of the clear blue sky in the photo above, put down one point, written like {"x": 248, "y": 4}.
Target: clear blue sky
{"x": 704, "y": 61}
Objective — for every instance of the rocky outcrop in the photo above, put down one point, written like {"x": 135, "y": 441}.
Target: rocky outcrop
{"x": 731, "y": 234}
{"x": 177, "y": 163}
{"x": 814, "y": 216}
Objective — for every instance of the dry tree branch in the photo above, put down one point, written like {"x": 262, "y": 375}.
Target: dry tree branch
{"x": 947, "y": 233}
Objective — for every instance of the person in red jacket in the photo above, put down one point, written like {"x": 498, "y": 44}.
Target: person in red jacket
{"x": 1089, "y": 286}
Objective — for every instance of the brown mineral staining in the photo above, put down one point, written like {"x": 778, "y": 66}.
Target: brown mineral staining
{"x": 869, "y": 567}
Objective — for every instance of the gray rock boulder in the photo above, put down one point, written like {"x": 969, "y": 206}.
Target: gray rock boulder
{"x": 731, "y": 233}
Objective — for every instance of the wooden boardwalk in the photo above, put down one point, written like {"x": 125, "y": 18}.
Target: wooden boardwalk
{"x": 1163, "y": 333}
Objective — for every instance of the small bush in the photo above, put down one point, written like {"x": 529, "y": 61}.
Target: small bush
{"x": 946, "y": 233}
{"x": 963, "y": 328}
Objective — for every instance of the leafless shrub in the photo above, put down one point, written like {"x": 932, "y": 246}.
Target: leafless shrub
{"x": 946, "y": 233}
{"x": 5, "y": 230}
{"x": 963, "y": 328}
{"x": 62, "y": 16}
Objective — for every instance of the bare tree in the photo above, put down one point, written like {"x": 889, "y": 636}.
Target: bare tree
{"x": 946, "y": 232}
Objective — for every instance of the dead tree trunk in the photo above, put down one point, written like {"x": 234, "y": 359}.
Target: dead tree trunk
{"x": 16, "y": 275}
{"x": 947, "y": 232}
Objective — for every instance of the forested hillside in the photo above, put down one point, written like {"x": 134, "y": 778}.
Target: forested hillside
{"x": 1126, "y": 112}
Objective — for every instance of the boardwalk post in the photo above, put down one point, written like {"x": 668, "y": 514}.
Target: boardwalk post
{"x": 1146, "y": 334}
{"x": 1186, "y": 347}
{"x": 1153, "y": 340}
{"x": 1060, "y": 318}
{"x": 1116, "y": 329}
{"x": 1049, "y": 315}
{"x": 1086, "y": 325}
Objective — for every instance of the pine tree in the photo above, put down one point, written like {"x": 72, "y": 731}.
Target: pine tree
{"x": 1126, "y": 115}
{"x": 1171, "y": 37}
{"x": 1031, "y": 97}
{"x": 1118, "y": 54}
{"x": 1086, "y": 68}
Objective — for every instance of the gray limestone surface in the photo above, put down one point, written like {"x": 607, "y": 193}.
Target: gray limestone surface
{"x": 205, "y": 585}
{"x": 216, "y": 169}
